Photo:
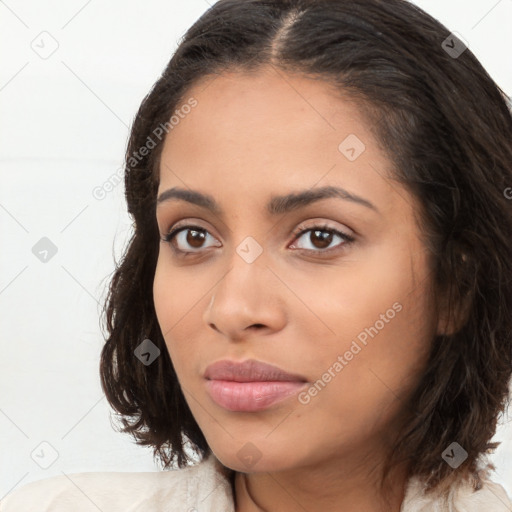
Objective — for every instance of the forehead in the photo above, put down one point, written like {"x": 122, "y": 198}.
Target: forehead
{"x": 270, "y": 131}
{"x": 269, "y": 102}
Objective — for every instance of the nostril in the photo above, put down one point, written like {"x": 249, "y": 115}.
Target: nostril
{"x": 214, "y": 327}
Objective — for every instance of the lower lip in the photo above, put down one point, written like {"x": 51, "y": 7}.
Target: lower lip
{"x": 250, "y": 396}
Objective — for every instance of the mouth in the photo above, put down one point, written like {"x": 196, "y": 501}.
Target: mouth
{"x": 250, "y": 386}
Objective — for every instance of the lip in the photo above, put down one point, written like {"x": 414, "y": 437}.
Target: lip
{"x": 250, "y": 370}
{"x": 251, "y": 385}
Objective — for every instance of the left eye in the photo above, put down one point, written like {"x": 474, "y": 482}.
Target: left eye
{"x": 322, "y": 236}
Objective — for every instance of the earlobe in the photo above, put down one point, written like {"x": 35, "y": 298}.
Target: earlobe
{"x": 450, "y": 324}
{"x": 453, "y": 312}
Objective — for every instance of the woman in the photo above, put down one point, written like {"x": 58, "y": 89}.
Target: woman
{"x": 316, "y": 298}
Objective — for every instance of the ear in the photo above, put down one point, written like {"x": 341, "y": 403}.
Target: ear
{"x": 453, "y": 312}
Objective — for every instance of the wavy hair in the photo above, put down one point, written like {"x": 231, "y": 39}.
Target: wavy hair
{"x": 447, "y": 128}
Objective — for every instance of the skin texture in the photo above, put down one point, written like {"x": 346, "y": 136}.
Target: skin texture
{"x": 252, "y": 136}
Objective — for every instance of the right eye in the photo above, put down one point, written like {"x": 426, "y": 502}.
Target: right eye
{"x": 193, "y": 236}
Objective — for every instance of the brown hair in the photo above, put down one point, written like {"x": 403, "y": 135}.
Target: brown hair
{"x": 446, "y": 126}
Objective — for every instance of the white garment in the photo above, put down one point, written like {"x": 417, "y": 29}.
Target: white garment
{"x": 205, "y": 487}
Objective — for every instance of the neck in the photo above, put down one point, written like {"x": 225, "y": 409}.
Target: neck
{"x": 328, "y": 487}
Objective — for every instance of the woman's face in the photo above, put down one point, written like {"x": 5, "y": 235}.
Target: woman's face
{"x": 354, "y": 319}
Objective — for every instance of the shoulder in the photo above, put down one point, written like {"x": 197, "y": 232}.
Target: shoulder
{"x": 205, "y": 483}
{"x": 490, "y": 496}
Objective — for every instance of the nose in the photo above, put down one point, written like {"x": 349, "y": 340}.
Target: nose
{"x": 248, "y": 297}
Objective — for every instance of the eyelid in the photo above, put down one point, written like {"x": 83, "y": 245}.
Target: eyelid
{"x": 319, "y": 226}
{"x": 322, "y": 226}
{"x": 303, "y": 228}
{"x": 185, "y": 223}
{"x": 170, "y": 235}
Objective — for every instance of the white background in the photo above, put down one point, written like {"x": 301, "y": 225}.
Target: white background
{"x": 64, "y": 126}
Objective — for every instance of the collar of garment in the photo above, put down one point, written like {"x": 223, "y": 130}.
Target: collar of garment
{"x": 491, "y": 497}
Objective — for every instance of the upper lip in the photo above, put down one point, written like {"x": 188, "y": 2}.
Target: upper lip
{"x": 248, "y": 371}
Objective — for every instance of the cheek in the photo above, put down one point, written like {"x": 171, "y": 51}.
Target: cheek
{"x": 169, "y": 308}
{"x": 175, "y": 293}
{"x": 376, "y": 315}
{"x": 180, "y": 298}
{"x": 380, "y": 364}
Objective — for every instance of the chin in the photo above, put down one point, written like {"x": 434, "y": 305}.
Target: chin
{"x": 249, "y": 457}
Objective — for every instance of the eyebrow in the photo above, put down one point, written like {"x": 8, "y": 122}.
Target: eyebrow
{"x": 277, "y": 204}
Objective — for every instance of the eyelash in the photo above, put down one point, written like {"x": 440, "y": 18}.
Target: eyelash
{"x": 348, "y": 239}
